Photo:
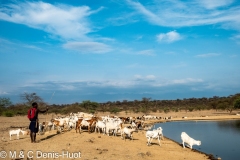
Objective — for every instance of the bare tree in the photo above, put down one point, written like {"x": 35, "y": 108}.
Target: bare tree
{"x": 29, "y": 98}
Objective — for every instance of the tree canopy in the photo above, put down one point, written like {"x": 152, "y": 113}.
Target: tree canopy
{"x": 5, "y": 102}
{"x": 237, "y": 103}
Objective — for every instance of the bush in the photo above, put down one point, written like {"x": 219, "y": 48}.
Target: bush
{"x": 136, "y": 111}
{"x": 237, "y": 103}
{"x": 154, "y": 109}
{"x": 166, "y": 110}
{"x": 190, "y": 109}
{"x": 8, "y": 113}
{"x": 114, "y": 110}
{"x": 91, "y": 111}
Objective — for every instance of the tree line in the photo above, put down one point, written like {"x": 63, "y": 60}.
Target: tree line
{"x": 145, "y": 105}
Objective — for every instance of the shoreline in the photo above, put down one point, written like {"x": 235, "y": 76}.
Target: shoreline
{"x": 208, "y": 118}
{"x": 210, "y": 156}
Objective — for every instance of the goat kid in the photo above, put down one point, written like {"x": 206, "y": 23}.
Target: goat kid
{"x": 16, "y": 132}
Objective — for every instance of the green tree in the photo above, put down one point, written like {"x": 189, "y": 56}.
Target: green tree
{"x": 237, "y": 103}
{"x": 90, "y": 106}
{"x": 5, "y": 102}
{"x": 114, "y": 110}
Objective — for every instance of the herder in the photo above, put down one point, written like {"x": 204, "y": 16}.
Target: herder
{"x": 33, "y": 117}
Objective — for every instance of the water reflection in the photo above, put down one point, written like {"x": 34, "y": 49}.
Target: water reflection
{"x": 231, "y": 125}
{"x": 219, "y": 138}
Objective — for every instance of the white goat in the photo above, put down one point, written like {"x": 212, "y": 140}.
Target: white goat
{"x": 113, "y": 125}
{"x": 15, "y": 132}
{"x": 128, "y": 132}
{"x": 190, "y": 141}
{"x": 100, "y": 125}
{"x": 155, "y": 134}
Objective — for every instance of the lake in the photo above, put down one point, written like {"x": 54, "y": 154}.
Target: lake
{"x": 219, "y": 138}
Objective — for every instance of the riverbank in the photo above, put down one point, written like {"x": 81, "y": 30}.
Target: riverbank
{"x": 205, "y": 118}
{"x": 98, "y": 146}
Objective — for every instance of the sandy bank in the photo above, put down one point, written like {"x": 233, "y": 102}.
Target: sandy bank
{"x": 98, "y": 146}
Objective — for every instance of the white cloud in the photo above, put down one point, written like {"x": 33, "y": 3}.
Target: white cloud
{"x": 236, "y": 38}
{"x": 150, "y": 77}
{"x": 32, "y": 47}
{"x": 148, "y": 52}
{"x": 208, "y": 55}
{"x": 151, "y": 16}
{"x": 190, "y": 13}
{"x": 211, "y": 4}
{"x": 3, "y": 93}
{"x": 123, "y": 19}
{"x": 179, "y": 65}
{"x": 144, "y": 78}
{"x": 88, "y": 47}
{"x": 137, "y": 76}
{"x": 169, "y": 37}
{"x": 186, "y": 81}
{"x": 64, "y": 21}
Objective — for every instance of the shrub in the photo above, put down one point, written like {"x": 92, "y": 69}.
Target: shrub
{"x": 136, "y": 110}
{"x": 190, "y": 109}
{"x": 166, "y": 110}
{"x": 8, "y": 113}
{"x": 91, "y": 111}
{"x": 114, "y": 110}
{"x": 154, "y": 109}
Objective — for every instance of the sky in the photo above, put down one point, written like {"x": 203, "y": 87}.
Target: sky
{"x": 115, "y": 50}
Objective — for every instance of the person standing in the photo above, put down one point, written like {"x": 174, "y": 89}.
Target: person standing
{"x": 33, "y": 117}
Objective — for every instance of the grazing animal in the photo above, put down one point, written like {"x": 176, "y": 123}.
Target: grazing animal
{"x": 41, "y": 127}
{"x": 114, "y": 126}
{"x": 128, "y": 132}
{"x": 190, "y": 141}
{"x": 100, "y": 125}
{"x": 84, "y": 122}
{"x": 15, "y": 132}
{"x": 155, "y": 134}
{"x": 78, "y": 125}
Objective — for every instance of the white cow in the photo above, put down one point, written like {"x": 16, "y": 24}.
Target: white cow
{"x": 190, "y": 141}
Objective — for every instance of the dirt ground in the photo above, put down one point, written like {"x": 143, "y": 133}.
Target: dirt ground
{"x": 70, "y": 145}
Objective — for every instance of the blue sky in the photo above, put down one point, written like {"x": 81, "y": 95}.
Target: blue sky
{"x": 119, "y": 49}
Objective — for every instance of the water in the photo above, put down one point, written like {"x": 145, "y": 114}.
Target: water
{"x": 219, "y": 138}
